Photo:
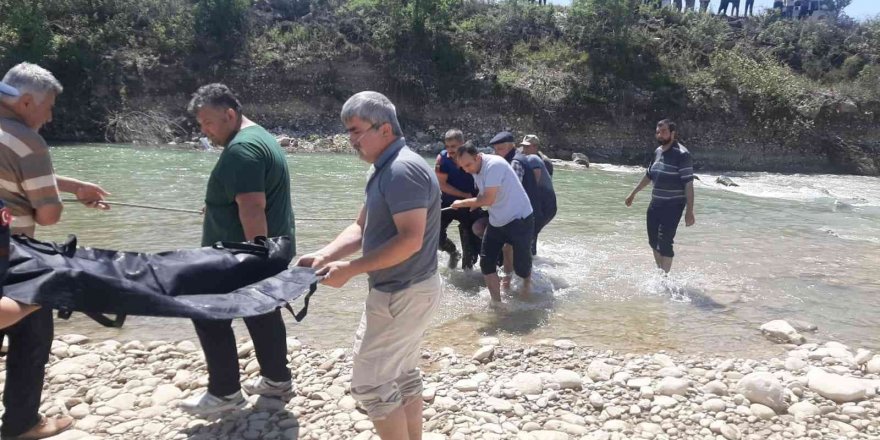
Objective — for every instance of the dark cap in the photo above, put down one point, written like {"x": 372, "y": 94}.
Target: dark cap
{"x": 501, "y": 138}
{"x": 7, "y": 90}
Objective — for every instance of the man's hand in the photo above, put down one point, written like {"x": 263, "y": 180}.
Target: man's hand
{"x": 336, "y": 274}
{"x": 629, "y": 199}
{"x": 689, "y": 219}
{"x": 314, "y": 260}
{"x": 458, "y": 204}
{"x": 92, "y": 195}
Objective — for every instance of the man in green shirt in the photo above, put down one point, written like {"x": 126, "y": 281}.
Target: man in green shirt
{"x": 248, "y": 196}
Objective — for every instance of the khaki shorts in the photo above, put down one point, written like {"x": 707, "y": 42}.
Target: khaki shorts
{"x": 387, "y": 346}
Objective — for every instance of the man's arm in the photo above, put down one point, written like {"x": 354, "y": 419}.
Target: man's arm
{"x": 642, "y": 184}
{"x": 12, "y": 311}
{"x": 409, "y": 240}
{"x": 538, "y": 174}
{"x": 87, "y": 193}
{"x": 252, "y": 214}
{"x": 346, "y": 243}
{"x": 486, "y": 198}
{"x": 689, "y": 218}
{"x": 446, "y": 188}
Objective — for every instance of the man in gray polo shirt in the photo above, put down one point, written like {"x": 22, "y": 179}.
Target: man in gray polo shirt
{"x": 510, "y": 217}
{"x": 399, "y": 229}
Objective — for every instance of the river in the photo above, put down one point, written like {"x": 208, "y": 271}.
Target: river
{"x": 801, "y": 247}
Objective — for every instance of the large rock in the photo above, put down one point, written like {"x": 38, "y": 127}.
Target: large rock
{"x": 568, "y": 379}
{"x": 873, "y": 366}
{"x": 835, "y": 387}
{"x": 763, "y": 388}
{"x": 580, "y": 159}
{"x": 484, "y": 353}
{"x": 165, "y": 393}
{"x": 80, "y": 364}
{"x": 671, "y": 386}
{"x": 803, "y": 410}
{"x": 600, "y": 371}
{"x": 527, "y": 383}
{"x": 782, "y": 332}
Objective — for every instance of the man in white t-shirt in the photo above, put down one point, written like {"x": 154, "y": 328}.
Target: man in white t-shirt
{"x": 510, "y": 216}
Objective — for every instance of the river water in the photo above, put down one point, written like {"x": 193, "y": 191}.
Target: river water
{"x": 802, "y": 247}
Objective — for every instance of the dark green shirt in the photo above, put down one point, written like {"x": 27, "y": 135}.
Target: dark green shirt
{"x": 252, "y": 162}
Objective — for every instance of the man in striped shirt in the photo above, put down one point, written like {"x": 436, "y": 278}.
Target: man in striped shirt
{"x": 30, "y": 190}
{"x": 672, "y": 173}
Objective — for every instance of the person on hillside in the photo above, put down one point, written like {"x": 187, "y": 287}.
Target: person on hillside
{"x": 689, "y": 5}
{"x": 456, "y": 184}
{"x": 722, "y": 9}
{"x": 750, "y": 9}
{"x": 734, "y": 8}
{"x": 398, "y": 228}
{"x": 672, "y": 173}
{"x": 30, "y": 192}
{"x": 704, "y": 6}
{"x": 546, "y": 196}
{"x": 511, "y": 220}
{"x": 247, "y": 196}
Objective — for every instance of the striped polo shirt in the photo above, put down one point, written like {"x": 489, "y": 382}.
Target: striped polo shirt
{"x": 670, "y": 172}
{"x": 27, "y": 179}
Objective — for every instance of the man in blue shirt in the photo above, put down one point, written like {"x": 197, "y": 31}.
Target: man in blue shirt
{"x": 456, "y": 184}
{"x": 672, "y": 173}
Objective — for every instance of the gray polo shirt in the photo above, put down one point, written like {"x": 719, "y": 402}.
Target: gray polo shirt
{"x": 401, "y": 180}
{"x": 511, "y": 201}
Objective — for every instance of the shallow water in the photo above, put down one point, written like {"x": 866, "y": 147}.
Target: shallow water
{"x": 778, "y": 246}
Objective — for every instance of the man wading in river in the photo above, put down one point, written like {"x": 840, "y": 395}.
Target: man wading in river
{"x": 398, "y": 229}
{"x": 30, "y": 189}
{"x": 673, "y": 175}
{"x": 456, "y": 184}
{"x": 248, "y": 196}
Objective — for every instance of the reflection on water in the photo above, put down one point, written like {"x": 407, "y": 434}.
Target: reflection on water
{"x": 800, "y": 247}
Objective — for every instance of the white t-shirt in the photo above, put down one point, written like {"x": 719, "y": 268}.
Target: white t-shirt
{"x": 511, "y": 201}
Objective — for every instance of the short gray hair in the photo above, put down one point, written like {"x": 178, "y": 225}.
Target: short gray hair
{"x": 372, "y": 107}
{"x": 33, "y": 79}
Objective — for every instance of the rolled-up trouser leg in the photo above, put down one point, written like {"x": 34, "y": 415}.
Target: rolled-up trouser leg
{"x": 30, "y": 341}
{"x": 221, "y": 355}
{"x": 270, "y": 344}
{"x": 387, "y": 346}
{"x": 662, "y": 222}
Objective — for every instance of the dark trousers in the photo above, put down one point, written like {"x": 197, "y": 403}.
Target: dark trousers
{"x": 547, "y": 214}
{"x": 750, "y": 8}
{"x": 662, "y": 224}
{"x": 518, "y": 234}
{"x": 30, "y": 342}
{"x": 221, "y": 354}
{"x": 470, "y": 243}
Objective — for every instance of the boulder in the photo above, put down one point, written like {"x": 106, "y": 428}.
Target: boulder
{"x": 726, "y": 181}
{"x": 782, "y": 332}
{"x": 834, "y": 387}
{"x": 763, "y": 388}
{"x": 580, "y": 159}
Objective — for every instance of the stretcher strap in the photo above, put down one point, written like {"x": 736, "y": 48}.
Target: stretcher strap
{"x": 305, "y": 310}
{"x": 97, "y": 317}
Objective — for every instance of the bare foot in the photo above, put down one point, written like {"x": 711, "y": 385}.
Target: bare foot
{"x": 498, "y": 306}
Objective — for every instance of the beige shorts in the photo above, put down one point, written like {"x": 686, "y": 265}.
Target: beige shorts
{"x": 387, "y": 346}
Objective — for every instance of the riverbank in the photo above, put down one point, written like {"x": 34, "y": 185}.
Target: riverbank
{"x": 550, "y": 390}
